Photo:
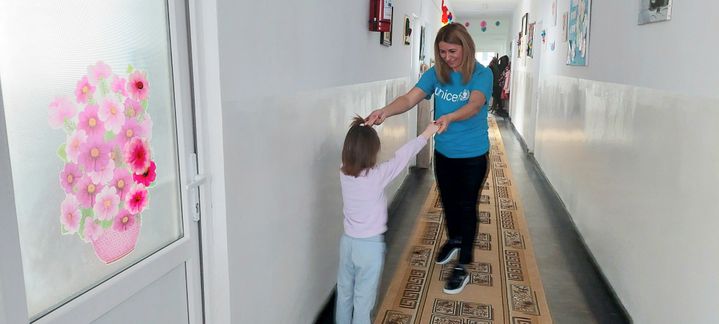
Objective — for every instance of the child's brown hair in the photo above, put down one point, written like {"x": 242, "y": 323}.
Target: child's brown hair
{"x": 360, "y": 149}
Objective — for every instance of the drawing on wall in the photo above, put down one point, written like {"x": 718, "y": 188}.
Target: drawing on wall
{"x": 530, "y": 40}
{"x": 554, "y": 12}
{"x": 108, "y": 167}
{"x": 654, "y": 11}
{"x": 578, "y": 32}
{"x": 565, "y": 16}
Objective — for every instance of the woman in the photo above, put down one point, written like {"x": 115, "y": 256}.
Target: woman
{"x": 461, "y": 87}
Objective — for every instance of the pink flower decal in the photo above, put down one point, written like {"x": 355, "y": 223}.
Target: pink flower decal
{"x": 74, "y": 141}
{"x": 112, "y": 114}
{"x": 107, "y": 160}
{"x": 70, "y": 217}
{"x": 84, "y": 90}
{"x": 122, "y": 182}
{"x": 90, "y": 122}
{"x": 130, "y": 130}
{"x": 137, "y": 85}
{"x": 92, "y": 231}
{"x": 123, "y": 221}
{"x": 136, "y": 199}
{"x": 99, "y": 72}
{"x": 148, "y": 177}
{"x": 137, "y": 155}
{"x": 133, "y": 108}
{"x": 86, "y": 191}
{"x": 69, "y": 177}
{"x": 106, "y": 204}
{"x": 94, "y": 154}
{"x": 60, "y": 110}
{"x": 105, "y": 175}
{"x": 118, "y": 85}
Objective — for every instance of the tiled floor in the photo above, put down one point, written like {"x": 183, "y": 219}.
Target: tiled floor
{"x": 575, "y": 290}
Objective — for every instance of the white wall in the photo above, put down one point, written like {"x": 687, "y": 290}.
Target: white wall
{"x": 629, "y": 143}
{"x": 495, "y": 38}
{"x": 279, "y": 83}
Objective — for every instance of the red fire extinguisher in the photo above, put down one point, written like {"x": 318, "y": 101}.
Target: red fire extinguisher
{"x": 380, "y": 15}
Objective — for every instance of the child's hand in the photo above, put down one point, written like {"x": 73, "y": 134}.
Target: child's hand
{"x": 443, "y": 122}
{"x": 431, "y": 129}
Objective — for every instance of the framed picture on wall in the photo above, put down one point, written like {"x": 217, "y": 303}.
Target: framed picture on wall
{"x": 421, "y": 43}
{"x": 407, "y": 30}
{"x": 565, "y": 17}
{"x": 530, "y": 41}
{"x": 519, "y": 44}
{"x": 654, "y": 11}
{"x": 578, "y": 32}
{"x": 385, "y": 38}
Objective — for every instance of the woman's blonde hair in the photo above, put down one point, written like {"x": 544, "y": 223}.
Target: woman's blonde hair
{"x": 456, "y": 34}
{"x": 360, "y": 149}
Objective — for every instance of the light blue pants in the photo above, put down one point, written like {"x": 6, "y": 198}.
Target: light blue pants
{"x": 361, "y": 261}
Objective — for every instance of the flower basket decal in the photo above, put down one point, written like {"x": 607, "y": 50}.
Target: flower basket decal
{"x": 108, "y": 168}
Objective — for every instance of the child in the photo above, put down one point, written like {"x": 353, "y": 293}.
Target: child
{"x": 362, "y": 246}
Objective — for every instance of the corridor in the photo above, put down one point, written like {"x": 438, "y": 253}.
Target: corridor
{"x": 575, "y": 289}
{"x": 182, "y": 161}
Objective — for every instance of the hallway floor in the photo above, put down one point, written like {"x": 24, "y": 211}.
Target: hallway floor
{"x": 574, "y": 288}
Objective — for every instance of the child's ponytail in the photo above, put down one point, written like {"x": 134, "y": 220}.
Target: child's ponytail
{"x": 357, "y": 121}
{"x": 360, "y": 149}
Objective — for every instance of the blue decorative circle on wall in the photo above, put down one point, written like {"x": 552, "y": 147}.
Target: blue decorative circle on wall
{"x": 496, "y": 23}
{"x": 484, "y": 29}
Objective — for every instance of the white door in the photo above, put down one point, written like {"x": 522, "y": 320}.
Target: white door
{"x": 97, "y": 176}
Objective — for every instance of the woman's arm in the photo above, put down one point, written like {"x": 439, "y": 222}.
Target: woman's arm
{"x": 398, "y": 106}
{"x": 476, "y": 101}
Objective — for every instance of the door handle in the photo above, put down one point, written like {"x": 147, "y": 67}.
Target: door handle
{"x": 193, "y": 189}
{"x": 197, "y": 180}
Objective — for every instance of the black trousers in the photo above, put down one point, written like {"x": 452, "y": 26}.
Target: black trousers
{"x": 460, "y": 182}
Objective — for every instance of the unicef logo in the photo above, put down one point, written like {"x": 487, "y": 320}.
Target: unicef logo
{"x": 451, "y": 97}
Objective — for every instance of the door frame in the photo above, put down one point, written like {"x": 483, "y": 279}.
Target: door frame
{"x": 110, "y": 293}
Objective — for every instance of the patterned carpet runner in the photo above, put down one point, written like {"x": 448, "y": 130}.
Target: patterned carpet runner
{"x": 505, "y": 286}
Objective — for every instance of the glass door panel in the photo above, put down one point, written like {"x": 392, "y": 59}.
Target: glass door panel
{"x": 88, "y": 98}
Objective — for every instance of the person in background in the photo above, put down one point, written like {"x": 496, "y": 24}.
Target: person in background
{"x": 494, "y": 66}
{"x": 497, "y": 101}
{"x": 506, "y": 88}
{"x": 362, "y": 246}
{"x": 461, "y": 87}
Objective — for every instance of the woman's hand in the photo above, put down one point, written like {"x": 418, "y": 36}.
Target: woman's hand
{"x": 398, "y": 106}
{"x": 443, "y": 123}
{"x": 376, "y": 117}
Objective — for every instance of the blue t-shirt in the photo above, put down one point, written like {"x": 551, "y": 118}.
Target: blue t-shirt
{"x": 464, "y": 138}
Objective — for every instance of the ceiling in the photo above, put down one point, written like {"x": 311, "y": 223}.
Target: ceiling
{"x": 474, "y": 8}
